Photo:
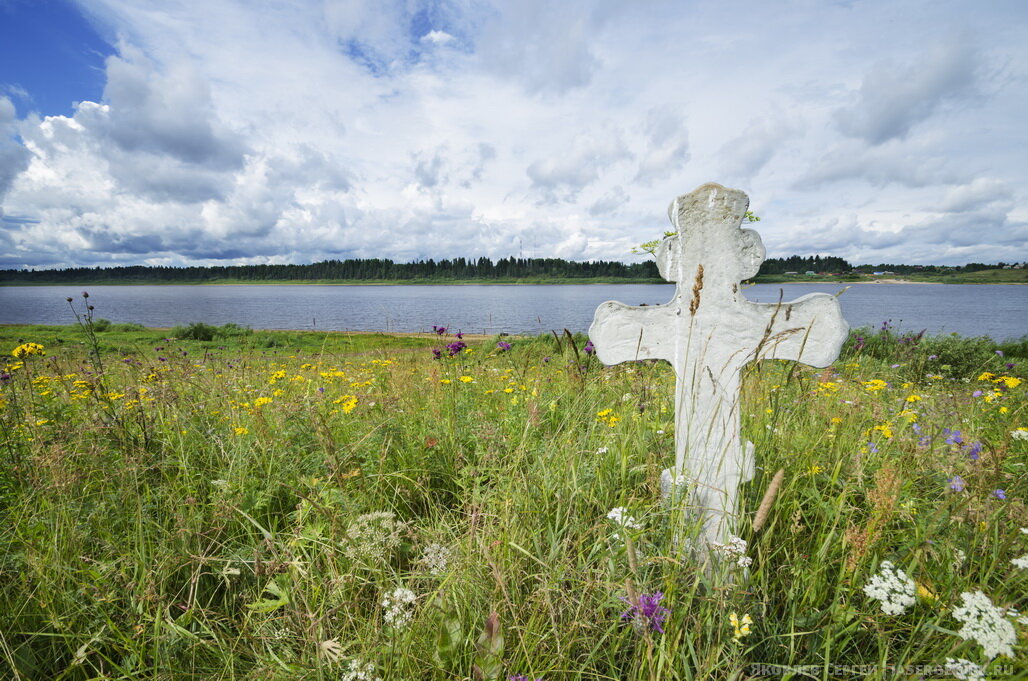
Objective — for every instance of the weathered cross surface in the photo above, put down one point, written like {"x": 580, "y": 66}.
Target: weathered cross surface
{"x": 709, "y": 332}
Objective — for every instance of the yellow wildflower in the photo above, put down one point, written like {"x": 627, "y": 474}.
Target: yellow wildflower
{"x": 446, "y": 381}
{"x": 467, "y": 379}
{"x": 261, "y": 401}
{"x": 240, "y": 430}
{"x": 741, "y": 626}
{"x": 987, "y": 376}
{"x": 815, "y": 469}
{"x": 874, "y": 385}
{"x": 913, "y": 398}
{"x": 26, "y": 349}
{"x": 1010, "y": 382}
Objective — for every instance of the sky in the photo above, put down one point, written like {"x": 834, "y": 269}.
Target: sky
{"x": 235, "y": 132}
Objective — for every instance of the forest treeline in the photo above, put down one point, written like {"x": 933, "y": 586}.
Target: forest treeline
{"x": 379, "y": 269}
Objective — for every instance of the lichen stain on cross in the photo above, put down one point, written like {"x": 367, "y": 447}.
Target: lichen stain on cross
{"x": 708, "y": 332}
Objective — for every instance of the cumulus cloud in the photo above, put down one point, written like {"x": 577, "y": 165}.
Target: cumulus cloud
{"x": 666, "y": 144}
{"x": 563, "y": 174}
{"x": 894, "y": 97}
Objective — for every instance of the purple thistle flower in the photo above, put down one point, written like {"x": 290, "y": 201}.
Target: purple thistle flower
{"x": 999, "y": 494}
{"x": 437, "y": 353}
{"x": 1009, "y": 365}
{"x": 440, "y": 330}
{"x": 956, "y": 483}
{"x": 456, "y": 347}
{"x": 647, "y": 612}
{"x": 860, "y": 343}
{"x": 503, "y": 346}
{"x": 460, "y": 334}
{"x": 589, "y": 348}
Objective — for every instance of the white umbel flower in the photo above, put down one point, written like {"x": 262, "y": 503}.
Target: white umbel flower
{"x": 399, "y": 607}
{"x": 735, "y": 550}
{"x": 620, "y": 517}
{"x": 985, "y": 623}
{"x": 435, "y": 558}
{"x": 1021, "y": 562}
{"x": 892, "y": 588}
{"x": 360, "y": 671}
{"x": 965, "y": 670}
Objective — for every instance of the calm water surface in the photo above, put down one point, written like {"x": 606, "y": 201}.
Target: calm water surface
{"x": 994, "y": 310}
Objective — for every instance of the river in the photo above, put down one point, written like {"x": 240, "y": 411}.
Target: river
{"x": 999, "y": 311}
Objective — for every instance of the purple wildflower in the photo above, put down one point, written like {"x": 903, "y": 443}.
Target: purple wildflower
{"x": 1009, "y": 365}
{"x": 860, "y": 343}
{"x": 589, "y": 348}
{"x": 456, "y": 347}
{"x": 953, "y": 437}
{"x": 894, "y": 366}
{"x": 999, "y": 353}
{"x": 460, "y": 334}
{"x": 974, "y": 451}
{"x": 976, "y": 393}
{"x": 931, "y": 357}
{"x": 440, "y": 330}
{"x": 956, "y": 483}
{"x": 503, "y": 346}
{"x": 5, "y": 376}
{"x": 872, "y": 447}
{"x": 916, "y": 427}
{"x": 647, "y": 612}
{"x": 437, "y": 353}
{"x": 999, "y": 494}
{"x": 321, "y": 389}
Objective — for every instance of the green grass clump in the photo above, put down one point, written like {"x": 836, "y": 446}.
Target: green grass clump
{"x": 334, "y": 504}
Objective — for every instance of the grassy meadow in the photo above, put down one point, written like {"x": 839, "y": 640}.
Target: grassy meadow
{"x": 222, "y": 503}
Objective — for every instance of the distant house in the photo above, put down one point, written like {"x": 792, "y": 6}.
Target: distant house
{"x": 811, "y": 273}
{"x": 792, "y": 272}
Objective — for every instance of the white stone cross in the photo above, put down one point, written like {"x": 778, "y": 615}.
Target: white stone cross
{"x": 709, "y": 332}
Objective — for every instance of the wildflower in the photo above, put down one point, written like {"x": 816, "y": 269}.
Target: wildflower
{"x": 999, "y": 494}
{"x": 956, "y": 483}
{"x": 467, "y": 379}
{"x": 359, "y": 671}
{"x": 240, "y": 430}
{"x": 1021, "y": 562}
{"x": 620, "y": 517}
{"x": 815, "y": 469}
{"x": 965, "y": 670}
{"x": 27, "y": 349}
{"x": 647, "y": 612}
{"x": 503, "y": 346}
{"x": 399, "y": 607}
{"x": 456, "y": 347}
{"x": 373, "y": 536}
{"x": 953, "y": 437}
{"x": 735, "y": 549}
{"x": 985, "y": 623}
{"x": 893, "y": 588}
{"x": 741, "y": 627}
{"x": 589, "y": 348}
{"x": 435, "y": 558}
{"x": 439, "y": 330}
{"x": 974, "y": 451}
{"x": 601, "y": 450}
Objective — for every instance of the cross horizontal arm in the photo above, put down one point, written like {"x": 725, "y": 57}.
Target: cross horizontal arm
{"x": 810, "y": 329}
{"x": 623, "y": 333}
